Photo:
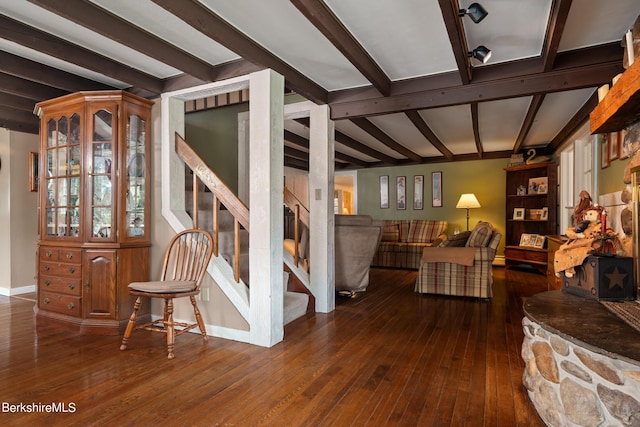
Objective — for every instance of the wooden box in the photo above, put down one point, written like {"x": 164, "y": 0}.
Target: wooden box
{"x": 606, "y": 278}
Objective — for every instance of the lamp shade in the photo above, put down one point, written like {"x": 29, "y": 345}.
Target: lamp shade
{"x": 468, "y": 201}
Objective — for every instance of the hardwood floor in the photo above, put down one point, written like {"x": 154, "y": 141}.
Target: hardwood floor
{"x": 387, "y": 357}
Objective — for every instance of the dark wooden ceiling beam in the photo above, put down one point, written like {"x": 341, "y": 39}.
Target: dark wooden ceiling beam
{"x": 17, "y": 102}
{"x": 22, "y": 121}
{"x": 378, "y": 134}
{"x": 534, "y": 106}
{"x": 296, "y": 154}
{"x": 426, "y": 131}
{"x": 455, "y": 30}
{"x": 40, "y": 73}
{"x": 28, "y": 89}
{"x": 555, "y": 28}
{"x": 40, "y": 41}
{"x": 207, "y": 22}
{"x": 93, "y": 17}
{"x": 303, "y": 142}
{"x": 321, "y": 16}
{"x": 475, "y": 124}
{"x": 513, "y": 87}
{"x": 578, "y": 119}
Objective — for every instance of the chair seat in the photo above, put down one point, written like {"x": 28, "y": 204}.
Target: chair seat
{"x": 164, "y": 286}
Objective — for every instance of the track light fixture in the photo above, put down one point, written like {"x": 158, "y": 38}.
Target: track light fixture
{"x": 475, "y": 11}
{"x": 481, "y": 53}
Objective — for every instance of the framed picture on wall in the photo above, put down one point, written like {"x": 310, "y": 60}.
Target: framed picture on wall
{"x": 384, "y": 191}
{"x": 418, "y": 191}
{"x": 33, "y": 172}
{"x": 614, "y": 145}
{"x": 401, "y": 192}
{"x": 436, "y": 189}
{"x": 604, "y": 152}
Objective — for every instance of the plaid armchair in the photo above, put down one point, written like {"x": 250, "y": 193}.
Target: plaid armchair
{"x": 475, "y": 279}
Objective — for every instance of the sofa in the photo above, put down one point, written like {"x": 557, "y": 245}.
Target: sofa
{"x": 356, "y": 240}
{"x": 403, "y": 241}
{"x": 461, "y": 265}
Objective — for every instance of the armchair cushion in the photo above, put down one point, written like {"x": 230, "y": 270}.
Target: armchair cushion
{"x": 480, "y": 235}
{"x": 456, "y": 240}
{"x": 425, "y": 231}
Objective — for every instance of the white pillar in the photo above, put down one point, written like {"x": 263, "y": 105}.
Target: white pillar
{"x": 266, "y": 213}
{"x": 322, "y": 243}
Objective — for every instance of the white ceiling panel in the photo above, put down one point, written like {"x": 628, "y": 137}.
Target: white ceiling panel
{"x": 452, "y": 125}
{"x": 286, "y": 32}
{"x": 402, "y": 130}
{"x": 350, "y": 129}
{"x": 156, "y": 20}
{"x": 607, "y": 21}
{"x": 408, "y": 40}
{"x": 556, "y": 110}
{"x": 501, "y": 121}
{"x": 512, "y": 29}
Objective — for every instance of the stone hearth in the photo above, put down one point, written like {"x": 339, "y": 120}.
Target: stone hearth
{"x": 582, "y": 366}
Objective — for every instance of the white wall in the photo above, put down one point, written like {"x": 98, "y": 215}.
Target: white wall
{"x": 18, "y": 214}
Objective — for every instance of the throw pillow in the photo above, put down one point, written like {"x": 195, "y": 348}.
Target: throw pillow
{"x": 456, "y": 240}
{"x": 480, "y": 235}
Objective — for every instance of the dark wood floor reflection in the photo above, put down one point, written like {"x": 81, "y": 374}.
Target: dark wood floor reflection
{"x": 388, "y": 357}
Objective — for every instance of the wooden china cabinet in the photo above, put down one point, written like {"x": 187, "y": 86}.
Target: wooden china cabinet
{"x": 94, "y": 208}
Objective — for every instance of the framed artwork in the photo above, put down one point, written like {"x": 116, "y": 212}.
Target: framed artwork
{"x": 538, "y": 185}
{"x": 614, "y": 145}
{"x": 418, "y": 191}
{"x": 545, "y": 214}
{"x": 436, "y": 189}
{"x": 384, "y": 191}
{"x": 33, "y": 172}
{"x": 538, "y": 242}
{"x": 401, "y": 192}
{"x": 605, "y": 162}
{"x": 625, "y": 148}
{"x": 527, "y": 239}
{"x": 518, "y": 213}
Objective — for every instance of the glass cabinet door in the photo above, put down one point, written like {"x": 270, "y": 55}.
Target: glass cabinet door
{"x": 136, "y": 176}
{"x": 101, "y": 175}
{"x": 62, "y": 177}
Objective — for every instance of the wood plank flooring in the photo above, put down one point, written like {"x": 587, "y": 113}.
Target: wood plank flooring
{"x": 387, "y": 357}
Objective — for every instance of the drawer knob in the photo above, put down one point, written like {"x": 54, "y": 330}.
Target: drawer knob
{"x": 72, "y": 286}
{"x": 47, "y": 282}
{"x": 47, "y": 301}
{"x": 72, "y": 270}
{"x": 47, "y": 267}
{"x": 48, "y": 253}
{"x": 70, "y": 306}
{"x": 69, "y": 255}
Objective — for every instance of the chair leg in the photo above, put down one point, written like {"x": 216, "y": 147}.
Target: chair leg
{"x": 169, "y": 326}
{"x": 203, "y": 330}
{"x": 131, "y": 324}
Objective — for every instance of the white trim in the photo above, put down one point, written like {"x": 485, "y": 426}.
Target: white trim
{"x": 17, "y": 291}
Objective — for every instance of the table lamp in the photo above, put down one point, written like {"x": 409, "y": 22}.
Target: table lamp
{"x": 468, "y": 201}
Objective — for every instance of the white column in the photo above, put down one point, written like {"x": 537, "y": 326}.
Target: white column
{"x": 266, "y": 213}
{"x": 322, "y": 243}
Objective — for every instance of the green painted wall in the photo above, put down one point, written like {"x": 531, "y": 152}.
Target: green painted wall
{"x": 485, "y": 178}
{"x": 611, "y": 179}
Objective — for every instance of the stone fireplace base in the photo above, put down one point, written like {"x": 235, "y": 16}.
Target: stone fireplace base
{"x": 574, "y": 372}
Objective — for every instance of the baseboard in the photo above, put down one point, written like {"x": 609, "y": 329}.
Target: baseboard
{"x": 216, "y": 331}
{"x": 498, "y": 261}
{"x": 17, "y": 291}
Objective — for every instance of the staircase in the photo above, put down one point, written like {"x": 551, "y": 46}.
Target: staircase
{"x": 213, "y": 207}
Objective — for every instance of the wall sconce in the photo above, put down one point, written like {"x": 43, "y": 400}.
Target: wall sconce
{"x": 475, "y": 11}
{"x": 468, "y": 201}
{"x": 481, "y": 53}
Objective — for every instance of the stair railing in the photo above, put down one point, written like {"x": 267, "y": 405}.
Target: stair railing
{"x": 301, "y": 214}
{"x": 221, "y": 195}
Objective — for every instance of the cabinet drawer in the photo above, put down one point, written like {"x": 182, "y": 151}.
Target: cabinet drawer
{"x": 60, "y": 303}
{"x": 526, "y": 255}
{"x": 60, "y": 269}
{"x": 50, "y": 254}
{"x": 65, "y": 285}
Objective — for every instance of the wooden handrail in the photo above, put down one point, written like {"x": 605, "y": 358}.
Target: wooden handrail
{"x": 290, "y": 200}
{"x": 224, "y": 194}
